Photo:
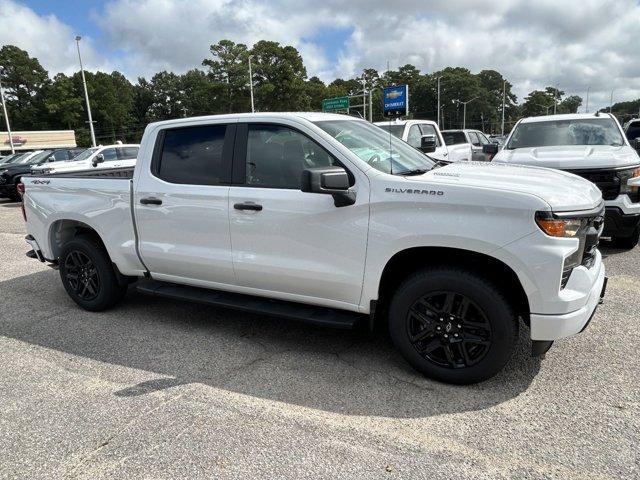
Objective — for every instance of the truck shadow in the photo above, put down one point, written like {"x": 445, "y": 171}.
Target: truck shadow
{"x": 176, "y": 343}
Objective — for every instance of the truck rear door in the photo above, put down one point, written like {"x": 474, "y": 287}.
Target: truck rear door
{"x": 181, "y": 205}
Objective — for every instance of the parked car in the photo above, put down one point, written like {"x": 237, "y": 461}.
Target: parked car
{"x": 472, "y": 142}
{"x": 499, "y": 139}
{"x": 11, "y": 173}
{"x": 632, "y": 129}
{"x": 9, "y": 158}
{"x": 414, "y": 132}
{"x": 592, "y": 146}
{"x": 108, "y": 156}
{"x": 329, "y": 219}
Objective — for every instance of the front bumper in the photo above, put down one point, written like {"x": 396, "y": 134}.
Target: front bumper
{"x": 553, "y": 327}
{"x": 619, "y": 224}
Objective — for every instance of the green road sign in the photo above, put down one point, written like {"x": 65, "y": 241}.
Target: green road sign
{"x": 337, "y": 103}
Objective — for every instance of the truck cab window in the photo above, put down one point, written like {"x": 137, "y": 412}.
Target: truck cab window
{"x": 414, "y": 136}
{"x": 192, "y": 155}
{"x": 277, "y": 155}
{"x": 109, "y": 154}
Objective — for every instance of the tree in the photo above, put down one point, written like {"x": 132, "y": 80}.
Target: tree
{"x": 538, "y": 103}
{"x": 229, "y": 69}
{"x": 22, "y": 78}
{"x": 570, "y": 104}
{"x": 61, "y": 102}
{"x": 280, "y": 76}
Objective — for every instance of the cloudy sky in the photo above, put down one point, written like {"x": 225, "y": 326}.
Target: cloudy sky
{"x": 569, "y": 43}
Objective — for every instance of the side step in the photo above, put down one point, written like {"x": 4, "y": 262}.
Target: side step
{"x": 312, "y": 314}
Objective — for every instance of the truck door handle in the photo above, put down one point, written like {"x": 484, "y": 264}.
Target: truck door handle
{"x": 150, "y": 201}
{"x": 248, "y": 206}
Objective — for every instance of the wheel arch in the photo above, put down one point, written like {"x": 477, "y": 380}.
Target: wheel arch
{"x": 63, "y": 230}
{"x": 410, "y": 260}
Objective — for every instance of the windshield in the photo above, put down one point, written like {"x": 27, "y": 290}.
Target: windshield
{"x": 84, "y": 155}
{"x": 582, "y": 131}
{"x": 454, "y": 138}
{"x": 382, "y": 151}
{"x": 9, "y": 158}
{"x": 35, "y": 159}
{"x": 396, "y": 130}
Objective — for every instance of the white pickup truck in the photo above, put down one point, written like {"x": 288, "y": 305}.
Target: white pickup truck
{"x": 593, "y": 147}
{"x": 326, "y": 218}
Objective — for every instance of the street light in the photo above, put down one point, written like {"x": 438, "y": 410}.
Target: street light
{"x": 438, "y": 78}
{"x": 251, "y": 83}
{"x": 464, "y": 110}
{"x": 86, "y": 93}
{"x": 586, "y": 107}
{"x": 4, "y": 109}
{"x": 504, "y": 97}
{"x": 611, "y": 102}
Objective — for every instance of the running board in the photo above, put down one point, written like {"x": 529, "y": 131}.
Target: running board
{"x": 312, "y": 314}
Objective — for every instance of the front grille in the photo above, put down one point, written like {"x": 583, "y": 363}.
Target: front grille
{"x": 594, "y": 227}
{"x": 606, "y": 180}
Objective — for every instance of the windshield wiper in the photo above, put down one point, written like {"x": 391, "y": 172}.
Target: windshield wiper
{"x": 415, "y": 171}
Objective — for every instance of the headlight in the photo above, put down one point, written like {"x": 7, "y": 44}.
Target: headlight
{"x": 625, "y": 177}
{"x": 558, "y": 227}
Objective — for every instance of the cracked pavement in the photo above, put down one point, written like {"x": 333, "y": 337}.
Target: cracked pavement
{"x": 163, "y": 390}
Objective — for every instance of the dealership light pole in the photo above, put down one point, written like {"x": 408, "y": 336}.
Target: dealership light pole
{"x": 504, "y": 97}
{"x": 464, "y": 111}
{"x": 86, "y": 93}
{"x": 586, "y": 107}
{"x": 439, "y": 101}
{"x": 251, "y": 84}
{"x": 4, "y": 110}
{"x": 611, "y": 102}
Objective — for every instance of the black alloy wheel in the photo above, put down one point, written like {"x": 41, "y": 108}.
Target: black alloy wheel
{"x": 82, "y": 275}
{"x": 449, "y": 329}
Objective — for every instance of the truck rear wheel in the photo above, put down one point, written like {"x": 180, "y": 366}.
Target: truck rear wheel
{"x": 88, "y": 275}
{"x": 453, "y": 325}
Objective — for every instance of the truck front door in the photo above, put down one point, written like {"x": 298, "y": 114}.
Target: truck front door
{"x": 295, "y": 245}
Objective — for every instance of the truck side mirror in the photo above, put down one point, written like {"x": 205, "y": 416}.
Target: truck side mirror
{"x": 99, "y": 158}
{"x": 428, "y": 143}
{"x": 490, "y": 148}
{"x": 331, "y": 181}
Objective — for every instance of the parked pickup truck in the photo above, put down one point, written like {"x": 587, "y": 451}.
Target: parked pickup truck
{"x": 415, "y": 132}
{"x": 594, "y": 147}
{"x": 326, "y": 218}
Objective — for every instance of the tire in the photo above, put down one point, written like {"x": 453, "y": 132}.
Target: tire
{"x": 88, "y": 275}
{"x": 627, "y": 242}
{"x": 453, "y": 347}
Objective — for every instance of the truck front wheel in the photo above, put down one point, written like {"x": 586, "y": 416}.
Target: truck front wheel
{"x": 453, "y": 325}
{"x": 88, "y": 276}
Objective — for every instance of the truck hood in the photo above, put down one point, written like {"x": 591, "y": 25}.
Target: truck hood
{"x": 571, "y": 156}
{"x": 561, "y": 190}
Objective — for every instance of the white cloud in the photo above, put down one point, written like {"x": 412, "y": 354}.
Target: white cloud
{"x": 46, "y": 38}
{"x": 573, "y": 43}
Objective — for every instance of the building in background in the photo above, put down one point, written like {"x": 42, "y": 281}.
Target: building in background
{"x": 38, "y": 140}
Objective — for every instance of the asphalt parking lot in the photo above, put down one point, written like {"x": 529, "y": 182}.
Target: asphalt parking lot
{"x": 160, "y": 389}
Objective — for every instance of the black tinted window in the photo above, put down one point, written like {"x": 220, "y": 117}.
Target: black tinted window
{"x": 454, "y": 138}
{"x": 277, "y": 155}
{"x": 193, "y": 155}
{"x": 633, "y": 131}
{"x": 127, "y": 153}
